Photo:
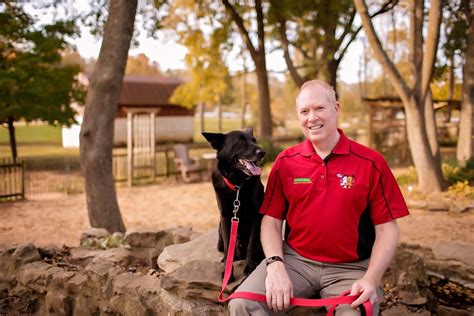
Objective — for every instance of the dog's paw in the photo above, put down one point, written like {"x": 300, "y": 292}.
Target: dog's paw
{"x": 231, "y": 279}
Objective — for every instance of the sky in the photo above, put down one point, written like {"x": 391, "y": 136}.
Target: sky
{"x": 169, "y": 55}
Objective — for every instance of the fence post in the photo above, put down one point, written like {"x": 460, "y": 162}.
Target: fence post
{"x": 22, "y": 164}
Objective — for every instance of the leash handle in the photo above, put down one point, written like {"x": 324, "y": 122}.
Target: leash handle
{"x": 344, "y": 298}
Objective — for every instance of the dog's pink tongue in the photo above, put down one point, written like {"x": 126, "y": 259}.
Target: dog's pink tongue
{"x": 256, "y": 171}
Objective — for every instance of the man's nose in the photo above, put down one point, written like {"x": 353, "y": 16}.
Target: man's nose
{"x": 313, "y": 116}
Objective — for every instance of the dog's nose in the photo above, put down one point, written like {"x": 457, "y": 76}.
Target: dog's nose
{"x": 260, "y": 154}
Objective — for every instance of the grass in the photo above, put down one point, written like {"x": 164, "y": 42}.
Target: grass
{"x": 29, "y": 134}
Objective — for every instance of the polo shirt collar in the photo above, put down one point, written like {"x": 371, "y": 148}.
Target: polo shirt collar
{"x": 343, "y": 146}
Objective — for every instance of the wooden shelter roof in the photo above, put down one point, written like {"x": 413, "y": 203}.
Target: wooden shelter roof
{"x": 395, "y": 102}
{"x": 147, "y": 91}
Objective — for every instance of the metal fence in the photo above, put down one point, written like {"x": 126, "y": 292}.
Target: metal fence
{"x": 12, "y": 181}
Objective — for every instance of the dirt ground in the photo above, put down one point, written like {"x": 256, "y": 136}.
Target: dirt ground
{"x": 60, "y": 219}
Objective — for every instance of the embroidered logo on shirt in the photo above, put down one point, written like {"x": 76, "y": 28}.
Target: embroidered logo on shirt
{"x": 301, "y": 180}
{"x": 346, "y": 181}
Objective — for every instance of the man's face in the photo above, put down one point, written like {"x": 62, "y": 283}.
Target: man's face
{"x": 316, "y": 114}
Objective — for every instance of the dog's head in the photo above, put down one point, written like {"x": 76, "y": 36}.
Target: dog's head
{"x": 237, "y": 150}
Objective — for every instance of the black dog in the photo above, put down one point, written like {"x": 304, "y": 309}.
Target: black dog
{"x": 237, "y": 155}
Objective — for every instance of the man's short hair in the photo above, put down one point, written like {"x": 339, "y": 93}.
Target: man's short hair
{"x": 330, "y": 92}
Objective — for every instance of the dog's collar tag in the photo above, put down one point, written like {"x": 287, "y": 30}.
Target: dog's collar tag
{"x": 230, "y": 185}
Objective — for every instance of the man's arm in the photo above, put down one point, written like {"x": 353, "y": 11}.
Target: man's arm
{"x": 385, "y": 246}
{"x": 278, "y": 285}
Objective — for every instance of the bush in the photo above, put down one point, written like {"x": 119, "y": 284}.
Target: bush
{"x": 271, "y": 151}
{"x": 453, "y": 172}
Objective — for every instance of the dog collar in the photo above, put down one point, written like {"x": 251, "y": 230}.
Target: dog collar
{"x": 230, "y": 185}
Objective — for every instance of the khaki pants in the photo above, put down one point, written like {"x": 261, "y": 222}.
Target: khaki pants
{"x": 310, "y": 279}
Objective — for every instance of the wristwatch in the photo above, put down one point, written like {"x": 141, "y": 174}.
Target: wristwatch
{"x": 270, "y": 260}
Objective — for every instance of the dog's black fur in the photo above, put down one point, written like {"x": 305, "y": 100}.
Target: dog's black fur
{"x": 232, "y": 149}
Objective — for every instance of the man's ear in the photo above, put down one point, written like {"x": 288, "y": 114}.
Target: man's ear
{"x": 216, "y": 140}
{"x": 249, "y": 130}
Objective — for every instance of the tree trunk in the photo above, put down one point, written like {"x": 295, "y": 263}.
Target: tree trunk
{"x": 100, "y": 111}
{"x": 219, "y": 117}
{"x": 11, "y": 132}
{"x": 465, "y": 141}
{"x": 430, "y": 178}
{"x": 202, "y": 106}
{"x": 258, "y": 57}
{"x": 431, "y": 127}
{"x": 264, "y": 99}
{"x": 244, "y": 99}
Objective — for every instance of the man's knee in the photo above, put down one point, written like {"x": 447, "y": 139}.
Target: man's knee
{"x": 241, "y": 306}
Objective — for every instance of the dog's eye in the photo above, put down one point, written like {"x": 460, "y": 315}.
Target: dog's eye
{"x": 254, "y": 140}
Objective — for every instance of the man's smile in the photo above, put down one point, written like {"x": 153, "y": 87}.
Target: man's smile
{"x": 315, "y": 127}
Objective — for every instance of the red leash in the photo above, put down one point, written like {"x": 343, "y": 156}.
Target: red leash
{"x": 332, "y": 301}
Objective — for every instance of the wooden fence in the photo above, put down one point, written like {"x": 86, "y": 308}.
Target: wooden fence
{"x": 44, "y": 175}
{"x": 12, "y": 180}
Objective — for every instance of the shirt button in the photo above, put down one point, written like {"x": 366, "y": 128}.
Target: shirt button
{"x": 322, "y": 176}
{"x": 323, "y": 164}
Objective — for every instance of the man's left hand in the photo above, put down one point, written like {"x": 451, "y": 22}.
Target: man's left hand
{"x": 367, "y": 290}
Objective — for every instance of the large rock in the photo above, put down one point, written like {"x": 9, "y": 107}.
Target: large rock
{"x": 408, "y": 276}
{"x": 201, "y": 248}
{"x": 455, "y": 251}
{"x": 200, "y": 279}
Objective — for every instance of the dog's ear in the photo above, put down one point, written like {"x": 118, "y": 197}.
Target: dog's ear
{"x": 215, "y": 139}
{"x": 249, "y": 130}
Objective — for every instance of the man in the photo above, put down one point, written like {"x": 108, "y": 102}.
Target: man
{"x": 340, "y": 201}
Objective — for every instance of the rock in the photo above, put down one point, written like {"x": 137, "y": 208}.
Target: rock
{"x": 93, "y": 232}
{"x": 76, "y": 284}
{"x": 144, "y": 239}
{"x": 458, "y": 206}
{"x": 402, "y": 310}
{"x": 449, "y": 311}
{"x": 172, "y": 304}
{"x": 436, "y": 203}
{"x": 416, "y": 204}
{"x": 25, "y": 254}
{"x": 128, "y": 305}
{"x": 407, "y": 273}
{"x": 201, "y": 248}
{"x": 57, "y": 303}
{"x": 155, "y": 242}
{"x": 455, "y": 251}
{"x": 37, "y": 275}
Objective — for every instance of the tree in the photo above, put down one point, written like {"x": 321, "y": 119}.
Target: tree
{"x": 140, "y": 65}
{"x": 465, "y": 145}
{"x": 315, "y": 35}
{"x": 34, "y": 85}
{"x": 97, "y": 129}
{"x": 413, "y": 94}
{"x": 210, "y": 79}
{"x": 258, "y": 54}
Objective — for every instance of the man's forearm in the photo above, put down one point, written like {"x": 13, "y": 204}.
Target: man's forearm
{"x": 271, "y": 237}
{"x": 385, "y": 246}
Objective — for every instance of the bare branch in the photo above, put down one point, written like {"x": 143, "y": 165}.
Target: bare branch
{"x": 397, "y": 80}
{"x": 241, "y": 27}
{"x": 431, "y": 47}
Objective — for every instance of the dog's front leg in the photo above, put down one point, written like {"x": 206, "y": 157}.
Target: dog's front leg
{"x": 254, "y": 248}
{"x": 224, "y": 234}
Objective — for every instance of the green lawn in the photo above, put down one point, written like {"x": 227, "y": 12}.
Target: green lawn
{"x": 32, "y": 134}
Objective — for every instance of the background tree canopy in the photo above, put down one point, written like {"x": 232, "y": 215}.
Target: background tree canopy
{"x": 34, "y": 85}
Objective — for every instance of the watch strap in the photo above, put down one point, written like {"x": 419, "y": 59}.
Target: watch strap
{"x": 273, "y": 259}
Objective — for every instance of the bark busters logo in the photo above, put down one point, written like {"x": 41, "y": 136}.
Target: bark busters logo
{"x": 346, "y": 181}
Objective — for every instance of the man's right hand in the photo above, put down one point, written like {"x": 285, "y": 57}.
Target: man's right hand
{"x": 279, "y": 288}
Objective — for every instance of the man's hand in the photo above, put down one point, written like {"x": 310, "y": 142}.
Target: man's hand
{"x": 367, "y": 290}
{"x": 279, "y": 288}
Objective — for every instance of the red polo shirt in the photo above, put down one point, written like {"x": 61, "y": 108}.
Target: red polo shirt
{"x": 332, "y": 205}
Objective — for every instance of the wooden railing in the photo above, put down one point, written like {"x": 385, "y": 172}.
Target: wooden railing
{"x": 12, "y": 180}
